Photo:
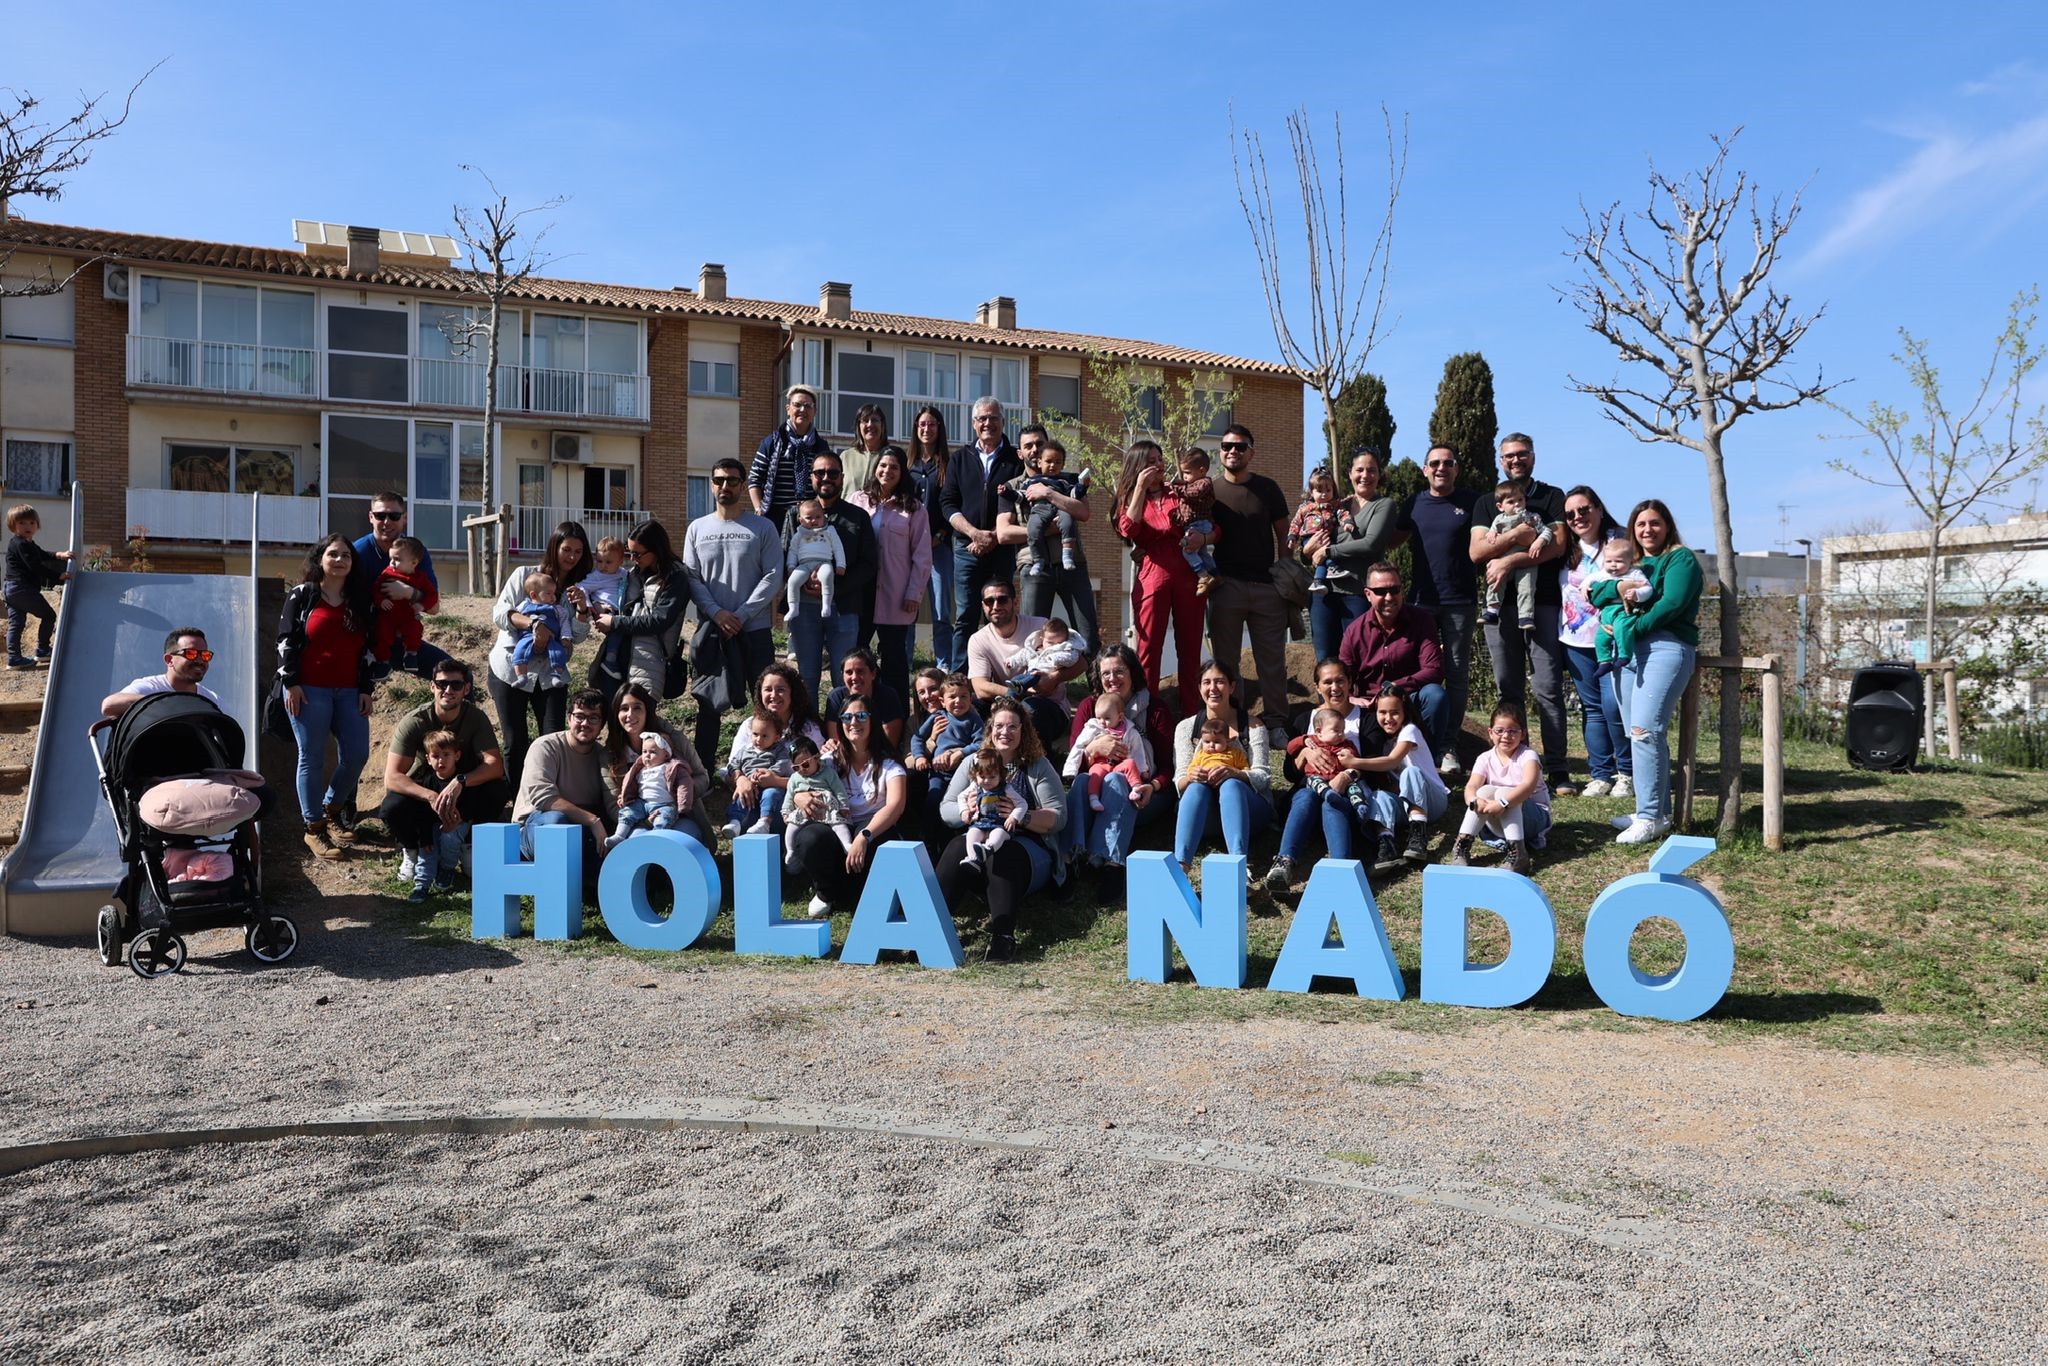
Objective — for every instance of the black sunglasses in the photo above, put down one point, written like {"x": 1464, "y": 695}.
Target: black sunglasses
{"x": 387, "y": 516}
{"x": 444, "y": 683}
{"x": 1237, "y": 445}
{"x": 997, "y": 601}
{"x": 1384, "y": 590}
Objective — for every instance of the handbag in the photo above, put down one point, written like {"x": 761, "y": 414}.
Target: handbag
{"x": 1291, "y": 579}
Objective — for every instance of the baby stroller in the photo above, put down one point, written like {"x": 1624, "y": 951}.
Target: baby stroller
{"x": 175, "y": 758}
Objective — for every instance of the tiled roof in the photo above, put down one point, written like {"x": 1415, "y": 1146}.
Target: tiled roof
{"x": 21, "y": 233}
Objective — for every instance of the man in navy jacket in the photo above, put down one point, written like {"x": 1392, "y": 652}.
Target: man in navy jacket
{"x": 969, "y": 503}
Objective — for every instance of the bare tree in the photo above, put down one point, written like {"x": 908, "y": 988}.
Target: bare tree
{"x": 1689, "y": 302}
{"x": 37, "y": 156}
{"x": 496, "y": 262}
{"x": 1958, "y": 455}
{"x": 1328, "y": 335}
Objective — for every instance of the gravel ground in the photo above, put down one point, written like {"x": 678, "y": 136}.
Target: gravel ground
{"x": 1517, "y": 1189}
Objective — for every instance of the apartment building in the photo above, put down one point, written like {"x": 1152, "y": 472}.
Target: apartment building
{"x": 175, "y": 378}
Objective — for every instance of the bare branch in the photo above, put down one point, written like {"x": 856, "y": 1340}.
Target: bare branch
{"x": 37, "y": 157}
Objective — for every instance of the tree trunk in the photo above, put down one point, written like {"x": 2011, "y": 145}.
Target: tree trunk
{"x": 1731, "y": 640}
{"x": 1933, "y": 584}
{"x": 493, "y": 571}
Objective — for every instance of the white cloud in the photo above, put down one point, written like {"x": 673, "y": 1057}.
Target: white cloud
{"x": 1950, "y": 174}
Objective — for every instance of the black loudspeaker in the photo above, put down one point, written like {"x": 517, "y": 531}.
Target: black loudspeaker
{"x": 1886, "y": 712}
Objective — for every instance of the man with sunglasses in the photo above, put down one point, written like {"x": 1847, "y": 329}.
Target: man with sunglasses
{"x": 735, "y": 561}
{"x": 1394, "y": 646}
{"x": 1538, "y": 654}
{"x": 973, "y": 475}
{"x": 1439, "y": 522}
{"x": 1251, "y": 533}
{"x": 373, "y": 553}
{"x": 186, "y": 660}
{"x": 813, "y": 637}
{"x": 996, "y": 651}
{"x": 416, "y": 803}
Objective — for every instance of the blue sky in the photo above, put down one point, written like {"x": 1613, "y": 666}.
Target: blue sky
{"x": 1076, "y": 157}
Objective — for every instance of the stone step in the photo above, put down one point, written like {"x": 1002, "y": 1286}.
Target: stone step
{"x": 21, "y": 710}
{"x": 13, "y": 775}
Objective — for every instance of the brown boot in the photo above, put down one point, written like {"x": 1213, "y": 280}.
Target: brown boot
{"x": 1461, "y": 853}
{"x": 321, "y": 841}
{"x": 1518, "y": 857}
{"x": 337, "y": 827}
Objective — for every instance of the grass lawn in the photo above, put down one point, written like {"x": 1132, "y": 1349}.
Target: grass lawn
{"x": 1908, "y": 911}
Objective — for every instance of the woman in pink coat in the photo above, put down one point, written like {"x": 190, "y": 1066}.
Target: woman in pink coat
{"x": 903, "y": 539}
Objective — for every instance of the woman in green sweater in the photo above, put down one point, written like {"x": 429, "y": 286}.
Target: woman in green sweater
{"x": 1367, "y": 531}
{"x": 1657, "y": 642}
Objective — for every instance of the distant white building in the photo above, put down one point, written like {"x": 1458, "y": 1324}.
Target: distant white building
{"x": 1770, "y": 572}
{"x": 1876, "y": 592}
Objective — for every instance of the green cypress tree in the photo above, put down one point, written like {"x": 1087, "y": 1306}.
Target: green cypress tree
{"x": 1465, "y": 420}
{"x": 1361, "y": 418}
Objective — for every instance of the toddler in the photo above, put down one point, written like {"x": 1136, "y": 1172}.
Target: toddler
{"x": 1505, "y": 797}
{"x": 1193, "y": 511}
{"x": 1051, "y": 649}
{"x": 813, "y": 548}
{"x": 1318, "y": 515}
{"x": 655, "y": 791}
{"x": 539, "y": 604}
{"x": 757, "y": 748}
{"x": 1041, "y": 517}
{"x": 1614, "y": 642}
{"x": 606, "y": 578}
{"x": 30, "y": 570}
{"x": 434, "y": 866}
{"x": 1511, "y": 506}
{"x": 398, "y": 622}
{"x": 1217, "y": 750}
{"x": 1320, "y": 755}
{"x": 989, "y": 784}
{"x": 1419, "y": 795}
{"x": 810, "y": 773}
{"x": 1109, "y": 720}
{"x": 955, "y": 727}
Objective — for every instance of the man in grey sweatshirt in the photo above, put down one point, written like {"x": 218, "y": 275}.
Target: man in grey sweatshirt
{"x": 734, "y": 557}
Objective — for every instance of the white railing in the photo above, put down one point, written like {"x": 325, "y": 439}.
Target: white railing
{"x": 223, "y": 367}
{"x": 530, "y": 389}
{"x": 531, "y": 526}
{"x": 903, "y": 425}
{"x": 182, "y": 515}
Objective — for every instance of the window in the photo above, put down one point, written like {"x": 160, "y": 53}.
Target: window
{"x": 863, "y": 378}
{"x": 452, "y": 351}
{"x": 1222, "y": 414}
{"x": 225, "y": 337}
{"x": 365, "y": 455}
{"x": 807, "y": 362}
{"x": 367, "y": 349}
{"x": 714, "y": 369}
{"x": 447, "y": 480}
{"x": 38, "y": 465}
{"x": 232, "y": 469}
{"x": 932, "y": 375}
{"x": 1150, "y": 408}
{"x": 1010, "y": 382}
{"x": 584, "y": 365}
{"x": 699, "y": 497}
{"x": 1059, "y": 394}
{"x": 35, "y": 317}
{"x": 608, "y": 488}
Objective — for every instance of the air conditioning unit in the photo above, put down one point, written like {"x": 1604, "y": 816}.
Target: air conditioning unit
{"x": 571, "y": 448}
{"x": 114, "y": 283}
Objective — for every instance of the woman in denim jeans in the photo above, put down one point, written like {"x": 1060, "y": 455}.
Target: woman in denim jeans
{"x": 1104, "y": 837}
{"x": 928, "y": 456}
{"x": 1659, "y": 646}
{"x": 323, "y": 667}
{"x": 1608, "y": 753}
{"x": 1235, "y": 803}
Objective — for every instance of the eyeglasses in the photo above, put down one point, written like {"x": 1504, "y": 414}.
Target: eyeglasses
{"x": 446, "y": 684}
{"x": 1505, "y": 732}
{"x": 996, "y": 601}
{"x": 848, "y": 717}
{"x": 801, "y": 407}
{"x": 588, "y": 718}
{"x": 1573, "y": 514}
{"x": 636, "y": 551}
{"x": 1440, "y": 464}
{"x": 1387, "y": 590}
{"x": 726, "y": 478}
{"x": 1237, "y": 445}
{"x": 203, "y": 656}
{"x": 1518, "y": 455}
{"x": 387, "y": 516}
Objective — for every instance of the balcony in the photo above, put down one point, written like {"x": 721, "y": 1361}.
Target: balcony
{"x": 181, "y": 515}
{"x": 904, "y": 410}
{"x": 531, "y": 526}
{"x": 223, "y": 367}
{"x": 294, "y": 372}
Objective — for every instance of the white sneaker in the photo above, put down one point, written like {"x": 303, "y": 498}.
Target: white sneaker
{"x": 764, "y": 826}
{"x": 821, "y": 909}
{"x": 406, "y": 865}
{"x": 1641, "y": 831}
{"x": 731, "y": 829}
{"x": 1598, "y": 787}
{"x": 1621, "y": 822}
{"x": 1623, "y": 787}
{"x": 1449, "y": 766}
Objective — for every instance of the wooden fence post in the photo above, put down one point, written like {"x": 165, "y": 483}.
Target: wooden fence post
{"x": 1773, "y": 728}
{"x": 1954, "y": 708}
{"x": 1688, "y": 747}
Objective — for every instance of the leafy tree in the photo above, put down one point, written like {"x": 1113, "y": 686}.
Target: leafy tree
{"x": 1176, "y": 412}
{"x": 1465, "y": 421}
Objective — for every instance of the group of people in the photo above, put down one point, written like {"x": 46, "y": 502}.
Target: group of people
{"x": 986, "y": 755}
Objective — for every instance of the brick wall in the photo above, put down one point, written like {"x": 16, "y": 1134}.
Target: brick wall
{"x": 760, "y": 395}
{"x": 665, "y": 449}
{"x": 100, "y": 408}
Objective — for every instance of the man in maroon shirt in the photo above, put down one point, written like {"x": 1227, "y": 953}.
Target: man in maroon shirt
{"x": 1394, "y": 645}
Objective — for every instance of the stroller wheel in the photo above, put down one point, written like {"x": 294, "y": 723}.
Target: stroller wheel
{"x": 107, "y": 930}
{"x": 156, "y": 953}
{"x": 272, "y": 939}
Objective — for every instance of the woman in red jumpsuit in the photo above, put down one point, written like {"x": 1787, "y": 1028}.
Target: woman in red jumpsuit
{"x": 1165, "y": 585}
